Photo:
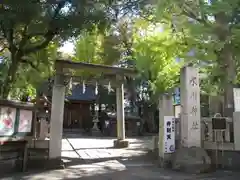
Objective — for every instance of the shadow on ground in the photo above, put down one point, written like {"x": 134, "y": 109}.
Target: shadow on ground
{"x": 140, "y": 160}
{"x": 102, "y": 173}
{"x": 81, "y": 166}
{"x": 130, "y": 165}
{"x": 113, "y": 170}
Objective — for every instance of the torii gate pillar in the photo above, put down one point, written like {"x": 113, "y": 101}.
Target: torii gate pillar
{"x": 56, "y": 123}
{"x": 121, "y": 142}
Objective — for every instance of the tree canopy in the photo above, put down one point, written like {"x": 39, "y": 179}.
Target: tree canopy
{"x": 27, "y": 27}
{"x": 147, "y": 35}
{"x": 211, "y": 29}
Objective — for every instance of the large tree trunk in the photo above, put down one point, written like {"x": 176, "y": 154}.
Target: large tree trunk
{"x": 10, "y": 78}
{"x": 229, "y": 82}
{"x": 227, "y": 63}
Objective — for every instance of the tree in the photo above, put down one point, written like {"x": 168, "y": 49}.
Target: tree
{"x": 211, "y": 29}
{"x": 156, "y": 57}
{"x": 97, "y": 48}
{"x": 114, "y": 46}
{"x": 28, "y": 26}
{"x": 155, "y": 50}
{"x": 30, "y": 79}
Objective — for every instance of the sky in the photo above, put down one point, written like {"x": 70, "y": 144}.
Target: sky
{"x": 67, "y": 48}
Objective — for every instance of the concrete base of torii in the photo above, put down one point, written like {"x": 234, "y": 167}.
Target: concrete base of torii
{"x": 120, "y": 144}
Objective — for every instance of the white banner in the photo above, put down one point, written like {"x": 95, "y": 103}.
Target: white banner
{"x": 169, "y": 134}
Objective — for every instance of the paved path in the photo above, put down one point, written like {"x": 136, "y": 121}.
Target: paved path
{"x": 97, "y": 149}
{"x": 113, "y": 170}
{"x": 90, "y": 158}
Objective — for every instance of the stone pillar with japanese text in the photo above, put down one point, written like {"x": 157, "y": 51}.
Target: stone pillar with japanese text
{"x": 190, "y": 111}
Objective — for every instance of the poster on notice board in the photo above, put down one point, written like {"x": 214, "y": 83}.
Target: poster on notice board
{"x": 7, "y": 121}
{"x": 25, "y": 121}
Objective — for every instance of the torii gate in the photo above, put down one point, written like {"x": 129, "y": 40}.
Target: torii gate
{"x": 58, "y": 96}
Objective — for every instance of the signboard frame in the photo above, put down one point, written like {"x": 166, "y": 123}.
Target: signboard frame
{"x": 7, "y": 121}
{"x": 15, "y": 117}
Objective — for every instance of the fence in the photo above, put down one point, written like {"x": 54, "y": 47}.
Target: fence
{"x": 210, "y": 138}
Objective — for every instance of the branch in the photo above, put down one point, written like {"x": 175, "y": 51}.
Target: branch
{"x": 25, "y": 37}
{"x": 35, "y": 34}
{"x": 48, "y": 37}
{"x": 25, "y": 61}
{"x": 193, "y": 16}
{"x": 2, "y": 49}
{"x": 52, "y": 31}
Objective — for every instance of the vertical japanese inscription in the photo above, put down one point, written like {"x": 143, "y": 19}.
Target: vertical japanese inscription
{"x": 194, "y": 97}
{"x": 194, "y": 110}
{"x": 169, "y": 135}
{"x": 193, "y": 81}
{"x": 169, "y": 129}
{"x": 195, "y": 125}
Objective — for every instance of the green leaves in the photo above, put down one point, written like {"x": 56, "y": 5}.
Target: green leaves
{"x": 210, "y": 28}
{"x": 29, "y": 78}
{"x": 28, "y": 27}
{"x": 97, "y": 48}
{"x": 156, "y": 54}
{"x": 87, "y": 47}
